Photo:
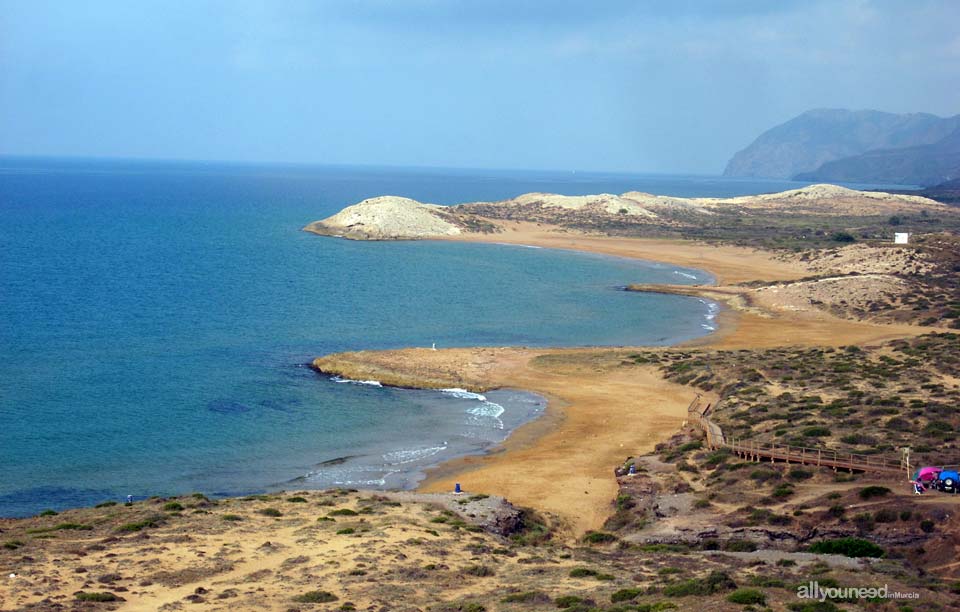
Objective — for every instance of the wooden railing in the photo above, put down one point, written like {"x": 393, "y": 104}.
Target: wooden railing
{"x": 823, "y": 457}
{"x": 697, "y": 415}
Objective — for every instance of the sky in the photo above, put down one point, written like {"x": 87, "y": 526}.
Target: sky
{"x": 636, "y": 86}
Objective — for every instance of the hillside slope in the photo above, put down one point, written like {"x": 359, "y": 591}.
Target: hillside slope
{"x": 924, "y": 165}
{"x": 816, "y": 137}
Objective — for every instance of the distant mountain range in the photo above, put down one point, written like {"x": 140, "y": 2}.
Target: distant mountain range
{"x": 835, "y": 145}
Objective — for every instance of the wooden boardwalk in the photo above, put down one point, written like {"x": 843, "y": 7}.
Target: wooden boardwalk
{"x": 698, "y": 416}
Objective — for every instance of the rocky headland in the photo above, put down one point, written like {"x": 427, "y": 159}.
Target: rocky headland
{"x": 397, "y": 218}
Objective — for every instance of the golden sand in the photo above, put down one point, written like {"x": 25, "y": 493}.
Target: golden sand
{"x": 599, "y": 414}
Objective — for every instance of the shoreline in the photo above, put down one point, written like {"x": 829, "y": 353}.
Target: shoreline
{"x": 561, "y": 464}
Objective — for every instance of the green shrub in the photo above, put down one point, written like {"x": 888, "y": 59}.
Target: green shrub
{"x": 873, "y": 491}
{"x": 173, "y": 507}
{"x": 598, "y": 537}
{"x": 816, "y": 432}
{"x": 836, "y": 510}
{"x": 625, "y": 595}
{"x": 567, "y": 601}
{"x": 813, "y": 606}
{"x": 582, "y": 572}
{"x": 347, "y": 531}
{"x": 106, "y": 504}
{"x": 48, "y": 512}
{"x": 84, "y": 596}
{"x": 232, "y": 517}
{"x": 799, "y": 474}
{"x": 716, "y": 582}
{"x": 343, "y": 512}
{"x": 747, "y": 597}
{"x": 12, "y": 544}
{"x": 526, "y": 597}
{"x": 152, "y": 521}
{"x": 297, "y": 500}
{"x": 684, "y": 588}
{"x": 316, "y": 597}
{"x": 719, "y": 581}
{"x": 73, "y": 527}
{"x": 480, "y": 571}
{"x": 926, "y": 525}
{"x": 886, "y": 515}
{"x": 739, "y": 546}
{"x": 850, "y": 547}
{"x": 782, "y": 490}
{"x": 767, "y": 581}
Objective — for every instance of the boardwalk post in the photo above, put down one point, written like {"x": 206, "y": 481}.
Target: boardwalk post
{"x": 818, "y": 457}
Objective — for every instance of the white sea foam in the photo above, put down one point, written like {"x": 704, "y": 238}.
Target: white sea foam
{"x": 369, "y": 383}
{"x": 487, "y": 409}
{"x": 486, "y": 414}
{"x": 409, "y": 455}
{"x": 686, "y": 274}
{"x": 378, "y": 482}
{"x": 712, "y": 309}
{"x": 464, "y": 394}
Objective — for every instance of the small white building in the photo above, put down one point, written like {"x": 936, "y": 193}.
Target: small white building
{"x": 901, "y": 238}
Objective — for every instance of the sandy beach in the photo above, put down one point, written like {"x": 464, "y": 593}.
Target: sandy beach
{"x": 598, "y": 414}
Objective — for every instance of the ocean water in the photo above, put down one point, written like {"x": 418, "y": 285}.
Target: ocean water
{"x": 155, "y": 319}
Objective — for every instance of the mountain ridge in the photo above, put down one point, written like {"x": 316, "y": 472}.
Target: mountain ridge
{"x": 817, "y": 137}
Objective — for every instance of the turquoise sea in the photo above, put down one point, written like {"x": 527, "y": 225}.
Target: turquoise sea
{"x": 155, "y": 319}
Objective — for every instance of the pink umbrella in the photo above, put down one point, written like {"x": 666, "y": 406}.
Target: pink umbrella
{"x": 927, "y": 474}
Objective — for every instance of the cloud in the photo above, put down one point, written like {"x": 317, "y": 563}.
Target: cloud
{"x": 653, "y": 86}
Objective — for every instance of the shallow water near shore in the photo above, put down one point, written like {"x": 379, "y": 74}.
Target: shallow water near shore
{"x": 156, "y": 319}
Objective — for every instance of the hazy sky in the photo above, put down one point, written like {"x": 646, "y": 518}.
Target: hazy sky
{"x": 673, "y": 86}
